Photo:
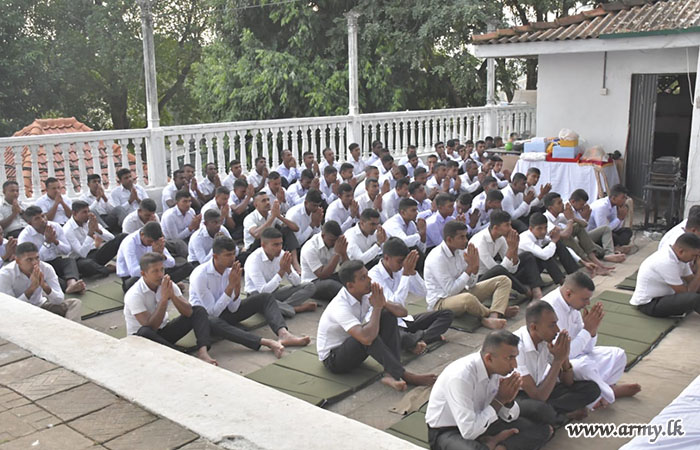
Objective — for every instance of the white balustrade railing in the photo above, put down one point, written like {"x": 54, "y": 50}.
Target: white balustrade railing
{"x": 163, "y": 150}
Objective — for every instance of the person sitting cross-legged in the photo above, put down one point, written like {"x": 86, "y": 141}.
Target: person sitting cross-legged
{"x": 134, "y": 246}
{"x": 396, "y": 274}
{"x": 451, "y": 281}
{"x": 473, "y": 403}
{"x": 320, "y": 258}
{"x": 344, "y": 210}
{"x": 666, "y": 285}
{"x": 406, "y": 226}
{"x": 690, "y": 224}
{"x": 199, "y": 248}
{"x": 12, "y": 210}
{"x": 53, "y": 247}
{"x": 126, "y": 196}
{"x": 55, "y": 205}
{"x": 308, "y": 215}
{"x": 268, "y": 266}
{"x": 366, "y": 239}
{"x": 220, "y": 203}
{"x": 92, "y": 246}
{"x": 146, "y": 212}
{"x": 601, "y": 364}
{"x": 100, "y": 205}
{"x": 550, "y": 392}
{"x": 345, "y": 340}
{"x": 31, "y": 280}
{"x": 216, "y": 286}
{"x": 601, "y": 236}
{"x": 612, "y": 211}
{"x": 146, "y": 309}
{"x": 547, "y": 248}
{"x": 516, "y": 202}
{"x": 179, "y": 222}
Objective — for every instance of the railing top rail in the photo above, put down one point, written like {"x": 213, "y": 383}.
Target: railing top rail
{"x": 439, "y": 112}
{"x": 251, "y": 124}
{"x": 89, "y": 136}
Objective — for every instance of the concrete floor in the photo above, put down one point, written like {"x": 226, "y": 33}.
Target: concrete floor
{"x": 663, "y": 374}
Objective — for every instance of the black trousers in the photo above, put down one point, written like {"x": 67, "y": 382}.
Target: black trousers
{"x": 550, "y": 265}
{"x": 672, "y": 305}
{"x": 177, "y": 329}
{"x": 94, "y": 263}
{"x": 373, "y": 262}
{"x": 563, "y": 399}
{"x": 327, "y": 289}
{"x": 66, "y": 269}
{"x": 386, "y": 349}
{"x": 13, "y": 234}
{"x": 177, "y": 274}
{"x": 426, "y": 327}
{"x": 518, "y": 225}
{"x": 237, "y": 230}
{"x": 622, "y": 236}
{"x": 531, "y": 435}
{"x": 228, "y": 324}
{"x": 527, "y": 276}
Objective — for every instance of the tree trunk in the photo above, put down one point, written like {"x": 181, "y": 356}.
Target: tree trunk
{"x": 118, "y": 109}
{"x": 531, "y": 71}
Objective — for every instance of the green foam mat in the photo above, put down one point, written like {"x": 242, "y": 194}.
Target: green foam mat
{"x": 628, "y": 283}
{"x": 615, "y": 297}
{"x": 308, "y": 363}
{"x": 111, "y": 290}
{"x": 407, "y": 357}
{"x": 412, "y": 426}
{"x": 94, "y": 304}
{"x": 408, "y": 438}
{"x": 316, "y": 401}
{"x": 280, "y": 377}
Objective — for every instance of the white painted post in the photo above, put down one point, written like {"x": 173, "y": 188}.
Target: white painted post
{"x": 354, "y": 132}
{"x": 692, "y": 190}
{"x": 491, "y": 118}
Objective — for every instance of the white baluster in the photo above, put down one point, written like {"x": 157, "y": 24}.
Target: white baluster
{"x": 220, "y": 158}
{"x": 470, "y": 127}
{"x": 139, "y": 145}
{"x": 3, "y": 174}
{"x": 36, "y": 180}
{"x": 111, "y": 170}
{"x": 231, "y": 152}
{"x": 305, "y": 145}
{"x": 406, "y": 125}
{"x": 422, "y": 123}
{"x": 364, "y": 142}
{"x": 344, "y": 144}
{"x": 295, "y": 144}
{"x": 334, "y": 143}
{"x": 96, "y": 164}
{"x": 242, "y": 149}
{"x": 198, "y": 140}
{"x": 434, "y": 136}
{"x": 391, "y": 136}
{"x": 68, "y": 180}
{"x": 255, "y": 147}
{"x": 50, "y": 158}
{"x": 82, "y": 170}
{"x": 209, "y": 145}
{"x": 125, "y": 153}
{"x": 19, "y": 172}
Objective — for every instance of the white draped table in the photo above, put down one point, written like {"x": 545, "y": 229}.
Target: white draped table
{"x": 567, "y": 177}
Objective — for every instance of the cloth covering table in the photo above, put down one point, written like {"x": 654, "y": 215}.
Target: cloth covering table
{"x": 566, "y": 177}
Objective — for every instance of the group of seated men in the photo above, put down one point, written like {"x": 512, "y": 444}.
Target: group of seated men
{"x": 364, "y": 236}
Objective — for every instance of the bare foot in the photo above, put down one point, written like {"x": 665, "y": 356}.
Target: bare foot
{"x": 512, "y": 311}
{"x": 203, "y": 354}
{"x": 579, "y": 414}
{"x": 427, "y": 379}
{"x": 602, "y": 403}
{"x": 306, "y": 307}
{"x": 393, "y": 383}
{"x": 276, "y": 347}
{"x": 289, "y": 340}
{"x": 536, "y": 293}
{"x": 615, "y": 258}
{"x": 76, "y": 287}
{"x": 420, "y": 348}
{"x": 493, "y": 324}
{"x": 626, "y": 390}
{"x": 492, "y": 441}
{"x": 626, "y": 249}
{"x": 599, "y": 270}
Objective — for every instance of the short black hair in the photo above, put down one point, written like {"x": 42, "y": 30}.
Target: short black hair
{"x": 240, "y": 183}
{"x": 353, "y": 146}
{"x": 50, "y": 180}
{"x": 150, "y": 258}
{"x": 498, "y": 217}
{"x": 78, "y": 205}
{"x": 488, "y": 180}
{"x": 346, "y": 166}
{"x": 580, "y": 280}
{"x": 270, "y": 233}
{"x": 222, "y": 190}
{"x": 148, "y": 204}
{"x": 333, "y": 228}
{"x": 274, "y": 175}
{"x": 387, "y": 158}
{"x": 25, "y": 247}
{"x": 497, "y": 338}
{"x": 395, "y": 247}
{"x": 533, "y": 170}
{"x": 123, "y": 171}
{"x": 579, "y": 194}
{"x": 451, "y": 142}
{"x": 414, "y": 186}
{"x": 618, "y": 189}
{"x": 689, "y": 241}
{"x": 32, "y": 212}
{"x": 327, "y": 149}
{"x": 329, "y": 170}
{"x": 693, "y": 211}
{"x": 94, "y": 176}
{"x": 368, "y": 214}
{"x": 519, "y": 177}
{"x": 211, "y": 215}
{"x": 401, "y": 182}
{"x": 343, "y": 188}
{"x": 223, "y": 244}
{"x": 537, "y": 219}
{"x": 260, "y": 158}
{"x": 307, "y": 173}
{"x": 443, "y": 198}
{"x": 152, "y": 230}
{"x": 370, "y": 180}
{"x": 178, "y": 172}
{"x": 494, "y": 195}
{"x": 406, "y": 203}
{"x": 182, "y": 193}
{"x": 452, "y": 228}
{"x": 465, "y": 198}
{"x": 347, "y": 271}
{"x": 550, "y": 198}
{"x": 9, "y": 183}
{"x": 535, "y": 309}
{"x": 693, "y": 221}
{"x": 314, "y": 196}
{"x": 419, "y": 171}
{"x": 234, "y": 162}
{"x": 403, "y": 170}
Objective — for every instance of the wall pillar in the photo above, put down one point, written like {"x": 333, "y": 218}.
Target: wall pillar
{"x": 692, "y": 190}
{"x": 354, "y": 127}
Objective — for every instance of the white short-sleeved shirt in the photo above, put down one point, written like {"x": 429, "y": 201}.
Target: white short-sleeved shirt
{"x": 671, "y": 235}
{"x": 132, "y": 222}
{"x": 314, "y": 255}
{"x": 254, "y": 220}
{"x": 661, "y": 270}
{"x": 343, "y": 313}
{"x": 45, "y": 203}
{"x": 140, "y": 298}
{"x": 532, "y": 360}
{"x": 6, "y": 211}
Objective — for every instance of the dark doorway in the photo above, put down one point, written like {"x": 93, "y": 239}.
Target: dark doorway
{"x": 674, "y": 113}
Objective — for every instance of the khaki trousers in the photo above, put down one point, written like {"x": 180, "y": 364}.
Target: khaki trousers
{"x": 470, "y": 302}
{"x": 70, "y": 308}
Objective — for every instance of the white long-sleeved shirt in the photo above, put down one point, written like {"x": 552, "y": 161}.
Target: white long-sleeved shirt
{"x": 230, "y": 179}
{"x": 390, "y": 204}
{"x": 407, "y": 232}
{"x": 434, "y": 226}
{"x": 291, "y": 174}
{"x": 336, "y": 211}
{"x": 97, "y": 205}
{"x": 15, "y": 283}
{"x": 540, "y": 248}
{"x": 570, "y": 319}
{"x": 364, "y": 202}
{"x": 425, "y": 208}
{"x": 604, "y": 213}
{"x": 469, "y": 185}
{"x": 360, "y": 247}
{"x": 176, "y": 224}
{"x": 327, "y": 191}
{"x": 298, "y": 215}
{"x": 445, "y": 274}
{"x": 462, "y": 397}
{"x": 80, "y": 243}
{"x": 284, "y": 206}
{"x": 396, "y": 287}
{"x": 130, "y": 252}
{"x": 207, "y": 289}
{"x": 488, "y": 249}
{"x": 358, "y": 167}
{"x": 296, "y": 194}
{"x": 132, "y": 222}
{"x": 261, "y": 273}
{"x": 45, "y": 203}
{"x": 513, "y": 203}
{"x": 47, "y": 252}
{"x": 199, "y": 247}
{"x": 120, "y": 197}
{"x": 314, "y": 255}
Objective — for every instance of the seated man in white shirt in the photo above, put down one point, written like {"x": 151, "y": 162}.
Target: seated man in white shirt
{"x": 297, "y": 191}
{"x": 100, "y": 205}
{"x": 11, "y": 209}
{"x": 220, "y": 203}
{"x": 471, "y": 179}
{"x": 689, "y": 225}
{"x": 275, "y": 190}
{"x": 137, "y": 218}
{"x": 408, "y": 227}
{"x": 612, "y": 211}
{"x": 147, "y": 240}
{"x": 377, "y": 147}
{"x": 479, "y": 153}
{"x": 347, "y": 175}
{"x": 397, "y": 275}
{"x": 216, "y": 286}
{"x": 550, "y": 392}
{"x": 666, "y": 285}
{"x": 204, "y": 190}
{"x": 443, "y": 156}
{"x": 320, "y": 258}
{"x": 417, "y": 192}
{"x": 345, "y": 339}
{"x": 421, "y": 175}
{"x": 516, "y": 203}
{"x": 358, "y": 164}
{"x": 344, "y": 210}
{"x": 92, "y": 246}
{"x": 439, "y": 181}
{"x": 392, "y": 175}
{"x": 390, "y": 200}
{"x": 480, "y": 212}
{"x": 53, "y": 203}
{"x": 288, "y": 168}
{"x": 258, "y": 176}
{"x": 179, "y": 222}
{"x": 412, "y": 161}
{"x": 533, "y": 177}
{"x": 361, "y": 188}
{"x": 601, "y": 364}
{"x": 199, "y": 248}
{"x": 241, "y": 205}
{"x": 127, "y": 196}
{"x": 371, "y": 198}
{"x": 451, "y": 281}
{"x": 54, "y": 249}
{"x": 328, "y": 159}
{"x": 308, "y": 215}
{"x": 31, "y": 280}
{"x": 328, "y": 185}
{"x": 488, "y": 184}
{"x": 499, "y": 255}
{"x": 309, "y": 163}
{"x": 385, "y": 163}
{"x": 267, "y": 266}
{"x": 146, "y": 309}
{"x": 472, "y": 405}
{"x": 7, "y": 248}
{"x": 178, "y": 183}
{"x": 546, "y": 248}
{"x": 496, "y": 171}
{"x": 445, "y": 205}
{"x": 235, "y": 173}
{"x": 366, "y": 239}
{"x": 192, "y": 186}
{"x": 601, "y": 236}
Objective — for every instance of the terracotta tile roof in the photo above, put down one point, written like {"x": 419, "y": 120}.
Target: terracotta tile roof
{"x": 59, "y": 126}
{"x": 621, "y": 17}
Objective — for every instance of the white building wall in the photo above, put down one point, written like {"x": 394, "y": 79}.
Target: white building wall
{"x": 569, "y": 85}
